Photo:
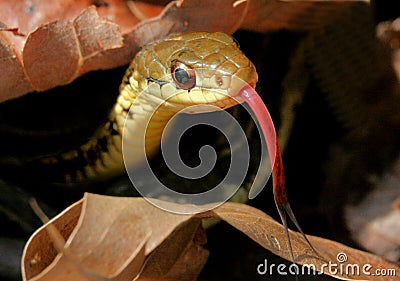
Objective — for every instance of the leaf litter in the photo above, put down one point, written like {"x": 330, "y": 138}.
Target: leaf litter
{"x": 48, "y": 44}
{"x": 114, "y": 238}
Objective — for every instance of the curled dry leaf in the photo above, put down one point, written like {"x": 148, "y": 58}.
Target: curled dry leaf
{"x": 108, "y": 238}
{"x": 114, "y": 238}
{"x": 48, "y": 44}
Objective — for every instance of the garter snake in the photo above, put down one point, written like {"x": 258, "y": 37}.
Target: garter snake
{"x": 184, "y": 70}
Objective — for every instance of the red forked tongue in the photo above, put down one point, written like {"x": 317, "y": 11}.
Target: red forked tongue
{"x": 251, "y": 97}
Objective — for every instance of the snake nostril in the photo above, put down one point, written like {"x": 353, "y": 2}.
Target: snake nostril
{"x": 219, "y": 81}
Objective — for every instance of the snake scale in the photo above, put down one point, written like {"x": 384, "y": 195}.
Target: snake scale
{"x": 177, "y": 72}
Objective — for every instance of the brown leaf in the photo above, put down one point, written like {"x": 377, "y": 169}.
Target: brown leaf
{"x": 389, "y": 34}
{"x": 63, "y": 40}
{"x": 170, "y": 260}
{"x": 268, "y": 15}
{"x": 57, "y": 53}
{"x": 58, "y": 41}
{"x": 271, "y": 235}
{"x": 46, "y": 52}
{"x": 375, "y": 221}
{"x": 12, "y": 77}
{"x": 108, "y": 238}
{"x": 39, "y": 251}
{"x": 178, "y": 16}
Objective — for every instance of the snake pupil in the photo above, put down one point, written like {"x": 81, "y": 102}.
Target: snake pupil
{"x": 183, "y": 76}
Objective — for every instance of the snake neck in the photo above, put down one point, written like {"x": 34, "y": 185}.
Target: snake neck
{"x": 136, "y": 117}
{"x": 140, "y": 118}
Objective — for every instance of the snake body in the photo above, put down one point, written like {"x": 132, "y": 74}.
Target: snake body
{"x": 181, "y": 70}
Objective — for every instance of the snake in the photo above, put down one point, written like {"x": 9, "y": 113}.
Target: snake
{"x": 184, "y": 70}
{"x": 175, "y": 72}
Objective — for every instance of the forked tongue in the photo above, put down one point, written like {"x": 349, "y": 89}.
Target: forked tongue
{"x": 273, "y": 160}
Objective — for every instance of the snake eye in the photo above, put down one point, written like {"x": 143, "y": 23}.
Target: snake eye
{"x": 184, "y": 76}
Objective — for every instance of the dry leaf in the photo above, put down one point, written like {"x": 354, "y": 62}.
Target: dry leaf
{"x": 268, "y": 233}
{"x": 375, "y": 222}
{"x": 113, "y": 236}
{"x": 389, "y": 35}
{"x": 267, "y": 15}
{"x": 110, "y": 240}
{"x": 180, "y": 256}
{"x": 48, "y": 44}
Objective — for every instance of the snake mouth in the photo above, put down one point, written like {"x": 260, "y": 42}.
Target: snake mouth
{"x": 202, "y": 98}
{"x": 223, "y": 98}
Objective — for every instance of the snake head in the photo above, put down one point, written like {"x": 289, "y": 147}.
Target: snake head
{"x": 192, "y": 69}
